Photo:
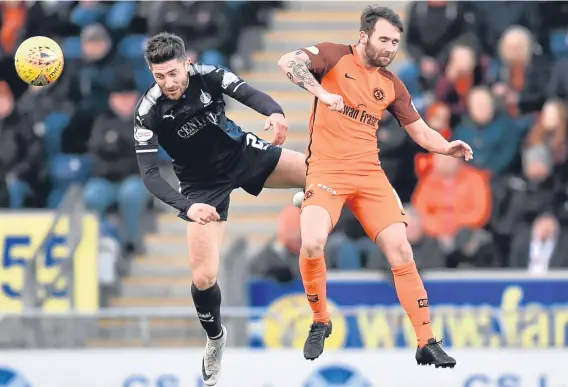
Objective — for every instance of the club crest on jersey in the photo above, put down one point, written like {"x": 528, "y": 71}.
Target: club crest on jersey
{"x": 378, "y": 94}
{"x": 142, "y": 135}
{"x": 205, "y": 98}
{"x": 309, "y": 193}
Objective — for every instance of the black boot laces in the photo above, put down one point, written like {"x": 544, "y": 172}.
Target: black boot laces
{"x": 317, "y": 332}
{"x": 436, "y": 348}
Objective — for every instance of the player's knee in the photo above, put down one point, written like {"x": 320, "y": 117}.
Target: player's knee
{"x": 313, "y": 245}
{"x": 204, "y": 280}
{"x": 399, "y": 253}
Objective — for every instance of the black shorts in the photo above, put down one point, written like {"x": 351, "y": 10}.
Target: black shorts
{"x": 253, "y": 168}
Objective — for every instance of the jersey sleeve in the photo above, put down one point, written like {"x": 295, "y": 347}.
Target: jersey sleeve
{"x": 237, "y": 88}
{"x": 145, "y": 139}
{"x": 229, "y": 82}
{"x": 402, "y": 107}
{"x": 324, "y": 56}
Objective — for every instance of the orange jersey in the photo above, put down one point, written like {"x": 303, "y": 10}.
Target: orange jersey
{"x": 347, "y": 141}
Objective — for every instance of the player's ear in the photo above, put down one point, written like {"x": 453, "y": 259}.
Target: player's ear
{"x": 363, "y": 38}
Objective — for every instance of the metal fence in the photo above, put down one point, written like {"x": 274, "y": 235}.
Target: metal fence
{"x": 178, "y": 327}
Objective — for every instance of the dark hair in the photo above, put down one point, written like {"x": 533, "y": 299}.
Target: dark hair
{"x": 372, "y": 13}
{"x": 164, "y": 47}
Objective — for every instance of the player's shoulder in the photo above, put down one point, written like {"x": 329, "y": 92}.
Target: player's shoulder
{"x": 149, "y": 100}
{"x": 204, "y": 69}
{"x": 216, "y": 75}
{"x": 327, "y": 48}
{"x": 398, "y": 84}
{"x": 389, "y": 75}
{"x": 147, "y": 103}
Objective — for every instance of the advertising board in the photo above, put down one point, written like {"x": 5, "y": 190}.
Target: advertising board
{"x": 20, "y": 235}
{"x": 467, "y": 312}
{"x": 281, "y": 368}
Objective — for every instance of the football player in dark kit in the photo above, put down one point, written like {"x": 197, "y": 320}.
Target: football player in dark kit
{"x": 184, "y": 112}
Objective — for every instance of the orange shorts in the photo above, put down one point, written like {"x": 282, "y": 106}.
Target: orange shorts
{"x": 372, "y": 199}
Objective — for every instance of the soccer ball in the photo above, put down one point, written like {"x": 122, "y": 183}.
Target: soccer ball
{"x": 39, "y": 61}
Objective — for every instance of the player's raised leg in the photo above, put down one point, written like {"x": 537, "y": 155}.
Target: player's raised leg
{"x": 381, "y": 213}
{"x": 315, "y": 227}
{"x": 204, "y": 243}
{"x": 290, "y": 172}
{"x": 412, "y": 294}
{"x": 321, "y": 208}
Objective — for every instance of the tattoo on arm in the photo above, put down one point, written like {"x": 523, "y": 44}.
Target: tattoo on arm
{"x": 291, "y": 78}
{"x": 299, "y": 72}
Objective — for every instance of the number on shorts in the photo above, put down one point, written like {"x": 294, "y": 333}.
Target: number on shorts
{"x": 255, "y": 142}
{"x": 398, "y": 200}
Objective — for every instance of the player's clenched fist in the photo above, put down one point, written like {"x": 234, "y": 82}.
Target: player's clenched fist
{"x": 333, "y": 101}
{"x": 202, "y": 213}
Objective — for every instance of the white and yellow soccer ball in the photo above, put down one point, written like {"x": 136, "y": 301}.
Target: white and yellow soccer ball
{"x": 39, "y": 61}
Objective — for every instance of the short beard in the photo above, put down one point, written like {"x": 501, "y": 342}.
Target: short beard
{"x": 370, "y": 54}
{"x": 183, "y": 89}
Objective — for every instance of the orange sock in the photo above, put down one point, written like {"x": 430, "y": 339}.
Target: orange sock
{"x": 314, "y": 276}
{"x": 414, "y": 300}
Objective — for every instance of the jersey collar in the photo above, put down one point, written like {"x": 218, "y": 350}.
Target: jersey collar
{"x": 358, "y": 60}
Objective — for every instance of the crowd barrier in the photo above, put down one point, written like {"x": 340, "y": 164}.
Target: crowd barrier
{"x": 282, "y": 368}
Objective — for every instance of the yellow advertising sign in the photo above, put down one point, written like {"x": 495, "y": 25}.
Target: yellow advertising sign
{"x": 20, "y": 235}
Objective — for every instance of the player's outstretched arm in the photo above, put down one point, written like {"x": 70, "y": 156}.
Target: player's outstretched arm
{"x": 150, "y": 171}
{"x": 405, "y": 112}
{"x": 237, "y": 88}
{"x": 297, "y": 66}
{"x": 433, "y": 141}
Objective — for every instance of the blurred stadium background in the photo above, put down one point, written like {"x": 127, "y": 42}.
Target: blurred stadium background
{"x": 94, "y": 272}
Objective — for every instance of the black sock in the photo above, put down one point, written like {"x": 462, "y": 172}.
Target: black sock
{"x": 208, "y": 305}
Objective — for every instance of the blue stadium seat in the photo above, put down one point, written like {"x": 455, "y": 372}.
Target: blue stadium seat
{"x": 559, "y": 44}
{"x": 64, "y": 170}
{"x": 71, "y": 47}
{"x": 143, "y": 78}
{"x": 349, "y": 257}
{"x": 132, "y": 46}
{"x": 84, "y": 15}
{"x": 121, "y": 14}
{"x": 213, "y": 57}
{"x": 55, "y": 124}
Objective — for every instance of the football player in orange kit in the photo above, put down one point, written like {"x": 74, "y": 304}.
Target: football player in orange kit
{"x": 352, "y": 89}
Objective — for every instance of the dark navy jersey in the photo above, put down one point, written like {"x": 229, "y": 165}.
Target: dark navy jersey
{"x": 195, "y": 132}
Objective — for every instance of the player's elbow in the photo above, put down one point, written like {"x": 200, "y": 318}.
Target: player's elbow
{"x": 285, "y": 60}
{"x": 149, "y": 175}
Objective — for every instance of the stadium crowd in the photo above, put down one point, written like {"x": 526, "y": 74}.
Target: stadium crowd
{"x": 493, "y": 74}
{"x": 79, "y": 130}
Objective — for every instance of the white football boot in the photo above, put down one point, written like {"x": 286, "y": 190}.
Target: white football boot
{"x": 211, "y": 363}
